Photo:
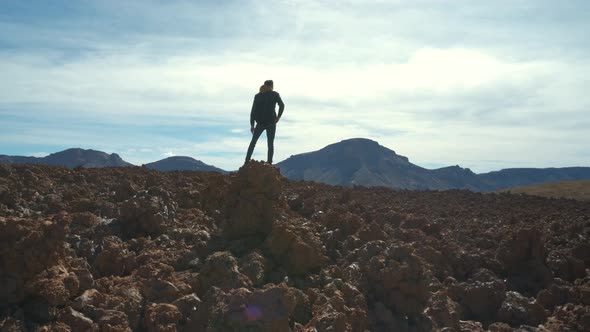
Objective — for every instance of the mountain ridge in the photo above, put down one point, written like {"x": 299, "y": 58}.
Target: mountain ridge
{"x": 350, "y": 162}
{"x": 71, "y": 158}
{"x": 387, "y": 168}
{"x": 182, "y": 163}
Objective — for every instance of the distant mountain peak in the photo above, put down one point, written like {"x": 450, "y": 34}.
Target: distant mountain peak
{"x": 349, "y": 162}
{"x": 73, "y": 157}
{"x": 182, "y": 163}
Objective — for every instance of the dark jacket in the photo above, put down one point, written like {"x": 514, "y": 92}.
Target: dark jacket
{"x": 263, "y": 108}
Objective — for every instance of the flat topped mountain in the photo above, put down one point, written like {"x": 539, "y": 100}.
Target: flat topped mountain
{"x": 359, "y": 161}
{"x": 71, "y": 158}
{"x": 364, "y": 162}
{"x": 181, "y": 163}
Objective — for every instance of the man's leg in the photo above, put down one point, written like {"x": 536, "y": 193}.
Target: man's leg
{"x": 257, "y": 132}
{"x": 270, "y": 137}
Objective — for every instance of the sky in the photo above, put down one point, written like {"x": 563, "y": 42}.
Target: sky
{"x": 481, "y": 84}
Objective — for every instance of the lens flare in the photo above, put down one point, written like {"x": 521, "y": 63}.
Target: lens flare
{"x": 253, "y": 312}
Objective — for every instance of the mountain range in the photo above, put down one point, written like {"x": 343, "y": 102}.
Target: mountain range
{"x": 364, "y": 162}
{"x": 71, "y": 158}
{"x": 351, "y": 162}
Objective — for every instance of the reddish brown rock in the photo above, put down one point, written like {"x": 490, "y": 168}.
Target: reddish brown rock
{"x": 115, "y": 258}
{"x": 146, "y": 214}
{"x": 479, "y": 300}
{"x": 443, "y": 311}
{"x": 84, "y": 220}
{"x": 269, "y": 309}
{"x": 221, "y": 270}
{"x": 90, "y": 298}
{"x": 54, "y": 327}
{"x": 162, "y": 318}
{"x": 161, "y": 291}
{"x": 188, "y": 305}
{"x": 296, "y": 246}
{"x": 28, "y": 247}
{"x": 399, "y": 279}
{"x": 470, "y": 326}
{"x": 255, "y": 266}
{"x": 569, "y": 317}
{"x": 129, "y": 249}
{"x": 254, "y": 201}
{"x": 341, "y": 307}
{"x": 518, "y": 310}
{"x": 77, "y": 321}
{"x": 113, "y": 321}
{"x": 523, "y": 257}
{"x": 55, "y": 285}
{"x": 557, "y": 295}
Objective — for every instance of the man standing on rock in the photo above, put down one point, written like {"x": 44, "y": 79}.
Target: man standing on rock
{"x": 263, "y": 112}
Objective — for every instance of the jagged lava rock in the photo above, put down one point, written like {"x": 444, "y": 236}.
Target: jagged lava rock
{"x": 296, "y": 246}
{"x": 254, "y": 200}
{"x": 119, "y": 257}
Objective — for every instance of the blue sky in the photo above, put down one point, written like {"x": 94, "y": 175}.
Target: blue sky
{"x": 483, "y": 84}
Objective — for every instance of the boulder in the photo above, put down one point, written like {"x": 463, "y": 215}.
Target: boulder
{"x": 296, "y": 246}
{"x": 340, "y": 307}
{"x": 255, "y": 267}
{"x": 479, "y": 300}
{"x": 269, "y": 309}
{"x": 518, "y": 310}
{"x": 162, "y": 317}
{"x": 112, "y": 321}
{"x": 115, "y": 258}
{"x": 221, "y": 270}
{"x": 443, "y": 311}
{"x": 146, "y": 214}
{"x": 254, "y": 201}
{"x": 77, "y": 321}
{"x": 523, "y": 258}
{"x": 55, "y": 285}
{"x": 28, "y": 249}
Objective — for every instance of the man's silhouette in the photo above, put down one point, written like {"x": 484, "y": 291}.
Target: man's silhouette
{"x": 264, "y": 114}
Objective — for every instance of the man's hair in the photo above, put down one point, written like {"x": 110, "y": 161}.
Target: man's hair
{"x": 269, "y": 83}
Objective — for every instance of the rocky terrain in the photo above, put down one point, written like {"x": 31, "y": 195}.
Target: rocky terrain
{"x": 132, "y": 249}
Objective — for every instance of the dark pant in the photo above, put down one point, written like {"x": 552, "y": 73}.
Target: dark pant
{"x": 270, "y": 136}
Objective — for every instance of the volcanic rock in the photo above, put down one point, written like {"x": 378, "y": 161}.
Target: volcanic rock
{"x": 162, "y": 318}
{"x": 268, "y": 309}
{"x": 147, "y": 213}
{"x": 254, "y": 201}
{"x": 479, "y": 300}
{"x": 234, "y": 255}
{"x": 523, "y": 257}
{"x": 77, "y": 321}
{"x": 221, "y": 270}
{"x": 517, "y": 310}
{"x": 296, "y": 246}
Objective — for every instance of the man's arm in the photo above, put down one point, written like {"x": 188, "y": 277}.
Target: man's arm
{"x": 252, "y": 112}
{"x": 281, "y": 106}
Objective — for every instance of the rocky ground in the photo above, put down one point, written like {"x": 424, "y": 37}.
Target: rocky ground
{"x": 130, "y": 249}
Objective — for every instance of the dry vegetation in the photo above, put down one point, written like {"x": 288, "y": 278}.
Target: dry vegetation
{"x": 579, "y": 190}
